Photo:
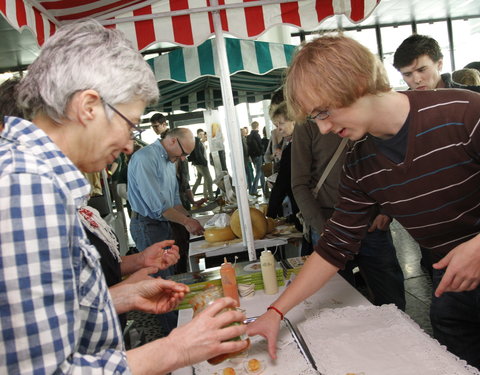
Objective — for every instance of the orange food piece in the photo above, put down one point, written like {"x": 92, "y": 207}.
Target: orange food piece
{"x": 229, "y": 371}
{"x": 254, "y": 365}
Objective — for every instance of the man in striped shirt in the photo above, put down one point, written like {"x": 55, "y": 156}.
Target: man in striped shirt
{"x": 417, "y": 154}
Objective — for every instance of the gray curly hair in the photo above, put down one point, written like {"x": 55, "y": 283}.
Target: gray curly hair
{"x": 82, "y": 56}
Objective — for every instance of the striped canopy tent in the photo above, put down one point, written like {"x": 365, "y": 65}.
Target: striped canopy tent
{"x": 190, "y": 23}
{"x": 189, "y": 78}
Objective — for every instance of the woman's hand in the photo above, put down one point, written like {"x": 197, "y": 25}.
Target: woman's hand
{"x": 206, "y": 335}
{"x": 162, "y": 255}
{"x": 151, "y": 295}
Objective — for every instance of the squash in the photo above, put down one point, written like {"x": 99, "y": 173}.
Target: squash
{"x": 270, "y": 225}
{"x": 259, "y": 223}
{"x": 218, "y": 234}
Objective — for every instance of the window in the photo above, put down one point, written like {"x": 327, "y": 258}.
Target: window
{"x": 466, "y": 38}
{"x": 392, "y": 37}
{"x": 438, "y": 31}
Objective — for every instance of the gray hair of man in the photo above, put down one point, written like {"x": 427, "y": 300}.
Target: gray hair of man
{"x": 82, "y": 56}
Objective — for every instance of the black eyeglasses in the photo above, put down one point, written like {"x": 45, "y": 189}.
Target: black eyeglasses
{"x": 321, "y": 115}
{"x": 181, "y": 148}
{"x": 135, "y": 129}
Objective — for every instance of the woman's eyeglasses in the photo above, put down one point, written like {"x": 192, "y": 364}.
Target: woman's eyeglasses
{"x": 135, "y": 129}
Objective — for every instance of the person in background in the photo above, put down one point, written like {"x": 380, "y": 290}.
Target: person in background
{"x": 154, "y": 196}
{"x": 199, "y": 160}
{"x": 115, "y": 266}
{"x": 473, "y": 65}
{"x": 180, "y": 233}
{"x": 282, "y": 187}
{"x": 59, "y": 317}
{"x": 415, "y": 154}
{"x": 159, "y": 124}
{"x": 274, "y": 149}
{"x": 255, "y": 151}
{"x": 8, "y": 95}
{"x": 246, "y": 160}
{"x": 420, "y": 61}
{"x": 377, "y": 258}
{"x": 467, "y": 77}
{"x": 186, "y": 194}
{"x": 265, "y": 140}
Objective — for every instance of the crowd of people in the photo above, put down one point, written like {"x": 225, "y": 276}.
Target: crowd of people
{"x": 349, "y": 153}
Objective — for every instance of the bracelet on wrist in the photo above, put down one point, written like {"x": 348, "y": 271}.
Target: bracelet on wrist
{"x": 276, "y": 310}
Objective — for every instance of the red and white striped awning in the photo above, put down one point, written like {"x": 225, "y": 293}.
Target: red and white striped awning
{"x": 183, "y": 22}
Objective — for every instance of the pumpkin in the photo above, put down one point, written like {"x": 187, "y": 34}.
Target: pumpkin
{"x": 218, "y": 234}
{"x": 270, "y": 225}
{"x": 259, "y": 223}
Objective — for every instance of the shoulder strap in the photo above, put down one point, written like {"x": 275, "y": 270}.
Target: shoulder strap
{"x": 329, "y": 167}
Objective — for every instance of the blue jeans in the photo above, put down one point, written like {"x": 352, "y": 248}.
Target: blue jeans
{"x": 257, "y": 163}
{"x": 455, "y": 318}
{"x": 378, "y": 264}
{"x": 145, "y": 232}
{"x": 249, "y": 173}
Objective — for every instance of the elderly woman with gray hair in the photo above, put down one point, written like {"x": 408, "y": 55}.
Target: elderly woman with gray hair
{"x": 84, "y": 94}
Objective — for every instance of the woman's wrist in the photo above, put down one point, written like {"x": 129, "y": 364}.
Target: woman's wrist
{"x": 123, "y": 299}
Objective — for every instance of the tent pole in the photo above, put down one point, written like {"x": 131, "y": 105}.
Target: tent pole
{"x": 234, "y": 137}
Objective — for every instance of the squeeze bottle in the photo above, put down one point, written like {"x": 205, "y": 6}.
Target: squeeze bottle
{"x": 269, "y": 275}
{"x": 229, "y": 280}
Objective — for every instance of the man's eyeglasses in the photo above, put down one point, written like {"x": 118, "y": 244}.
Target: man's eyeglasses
{"x": 321, "y": 115}
{"x": 135, "y": 129}
{"x": 182, "y": 149}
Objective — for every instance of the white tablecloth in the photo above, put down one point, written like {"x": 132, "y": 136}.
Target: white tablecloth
{"x": 336, "y": 293}
{"x": 374, "y": 340}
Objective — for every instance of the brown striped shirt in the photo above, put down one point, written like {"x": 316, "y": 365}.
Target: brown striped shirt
{"x": 434, "y": 193}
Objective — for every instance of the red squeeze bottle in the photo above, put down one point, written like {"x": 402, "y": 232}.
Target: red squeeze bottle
{"x": 229, "y": 281}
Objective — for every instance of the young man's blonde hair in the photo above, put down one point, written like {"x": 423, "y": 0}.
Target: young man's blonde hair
{"x": 332, "y": 72}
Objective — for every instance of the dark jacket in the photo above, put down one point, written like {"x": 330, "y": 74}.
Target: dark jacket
{"x": 254, "y": 142}
{"x": 197, "y": 157}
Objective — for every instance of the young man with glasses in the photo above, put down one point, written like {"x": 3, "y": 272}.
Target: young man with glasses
{"x": 415, "y": 154}
{"x": 153, "y": 193}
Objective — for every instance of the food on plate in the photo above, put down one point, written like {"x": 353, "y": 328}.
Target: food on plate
{"x": 254, "y": 366}
{"x": 259, "y": 223}
{"x": 229, "y": 371}
{"x": 216, "y": 234}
